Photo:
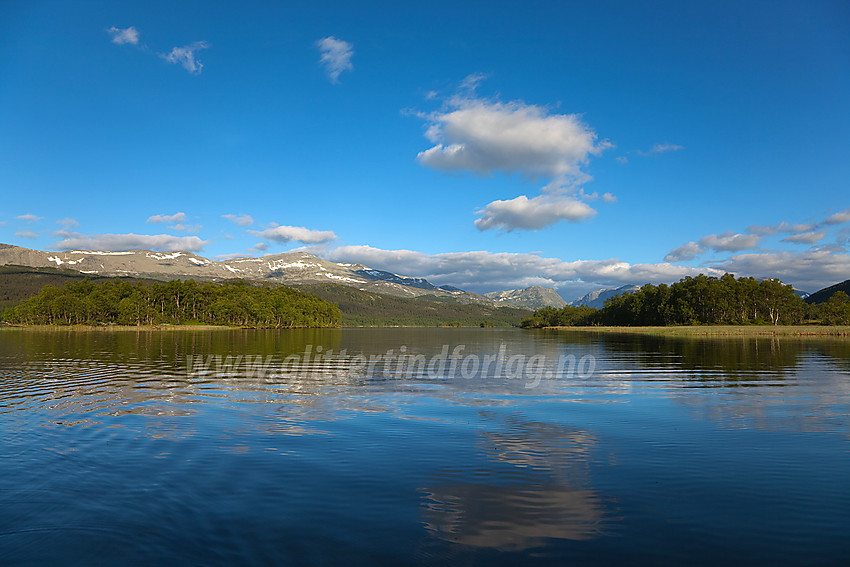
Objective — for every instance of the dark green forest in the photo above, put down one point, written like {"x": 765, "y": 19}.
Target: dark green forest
{"x": 120, "y": 302}
{"x": 702, "y": 300}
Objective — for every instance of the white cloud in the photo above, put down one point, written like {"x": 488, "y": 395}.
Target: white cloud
{"x": 810, "y": 271}
{"x": 193, "y": 228}
{"x": 240, "y": 219}
{"x": 162, "y": 219}
{"x": 26, "y": 234}
{"x": 30, "y": 218}
{"x": 67, "y": 223}
{"x": 609, "y": 198}
{"x": 729, "y": 242}
{"x": 532, "y": 214}
{"x": 725, "y": 242}
{"x": 483, "y": 137}
{"x": 335, "y": 56}
{"x": 662, "y": 149}
{"x": 805, "y": 237}
{"x": 122, "y": 242}
{"x": 295, "y": 234}
{"x": 259, "y": 247}
{"x": 839, "y": 218}
{"x": 770, "y": 230}
{"x": 685, "y": 252}
{"x": 488, "y": 271}
{"x": 224, "y": 257}
{"x": 126, "y": 35}
{"x": 185, "y": 56}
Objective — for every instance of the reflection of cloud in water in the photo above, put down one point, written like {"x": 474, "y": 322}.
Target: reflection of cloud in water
{"x": 543, "y": 494}
{"x": 512, "y": 517}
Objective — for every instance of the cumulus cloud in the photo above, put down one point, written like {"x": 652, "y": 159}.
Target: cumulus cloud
{"x": 122, "y": 242}
{"x": 805, "y": 237}
{"x": 185, "y": 56}
{"x": 295, "y": 234}
{"x": 609, "y": 198}
{"x": 532, "y": 214}
{"x": 729, "y": 241}
{"x": 122, "y": 36}
{"x": 240, "y": 219}
{"x": 685, "y": 252}
{"x": 487, "y": 271}
{"x": 725, "y": 242}
{"x": 30, "y": 218}
{"x": 335, "y": 56}
{"x": 839, "y": 218}
{"x": 26, "y": 234}
{"x": 484, "y": 137}
{"x": 162, "y": 219}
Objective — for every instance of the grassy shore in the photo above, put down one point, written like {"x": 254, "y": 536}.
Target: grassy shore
{"x": 118, "y": 327}
{"x": 720, "y": 331}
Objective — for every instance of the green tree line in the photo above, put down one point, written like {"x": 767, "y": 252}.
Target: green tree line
{"x": 175, "y": 302}
{"x": 701, "y": 300}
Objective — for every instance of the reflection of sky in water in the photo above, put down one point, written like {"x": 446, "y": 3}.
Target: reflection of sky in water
{"x": 666, "y": 436}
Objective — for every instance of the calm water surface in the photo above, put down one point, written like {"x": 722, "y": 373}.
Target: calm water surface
{"x": 143, "y": 447}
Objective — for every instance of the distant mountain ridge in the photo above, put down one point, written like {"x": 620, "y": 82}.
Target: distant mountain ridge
{"x": 597, "y": 298}
{"x": 533, "y": 297}
{"x": 290, "y": 268}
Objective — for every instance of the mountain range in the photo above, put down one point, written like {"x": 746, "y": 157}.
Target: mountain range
{"x": 597, "y": 298}
{"x": 532, "y": 297}
{"x": 296, "y": 268}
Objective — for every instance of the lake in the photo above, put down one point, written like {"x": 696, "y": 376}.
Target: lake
{"x": 420, "y": 447}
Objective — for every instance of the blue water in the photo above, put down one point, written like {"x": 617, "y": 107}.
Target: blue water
{"x": 138, "y": 448}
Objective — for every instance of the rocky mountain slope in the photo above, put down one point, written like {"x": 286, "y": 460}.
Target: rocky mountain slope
{"x": 533, "y": 297}
{"x": 297, "y": 268}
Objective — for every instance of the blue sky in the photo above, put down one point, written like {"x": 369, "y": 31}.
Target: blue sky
{"x": 487, "y": 145}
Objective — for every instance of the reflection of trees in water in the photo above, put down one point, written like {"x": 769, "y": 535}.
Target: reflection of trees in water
{"x": 768, "y": 383}
{"x": 733, "y": 356}
{"x": 167, "y": 347}
{"x": 535, "y": 488}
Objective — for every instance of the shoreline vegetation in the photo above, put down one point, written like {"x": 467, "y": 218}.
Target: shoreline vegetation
{"x": 713, "y": 331}
{"x": 716, "y": 331}
{"x": 702, "y": 302}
